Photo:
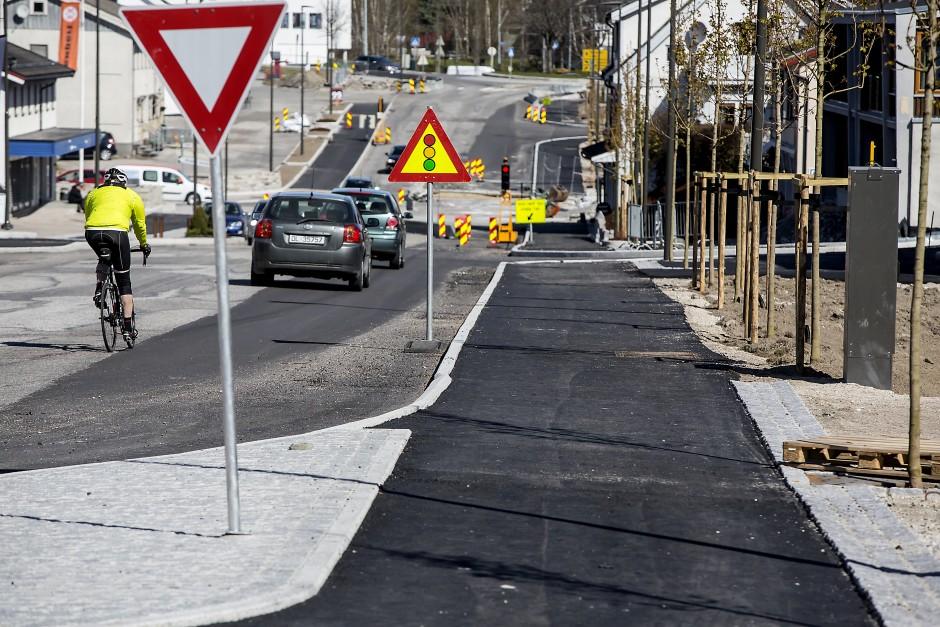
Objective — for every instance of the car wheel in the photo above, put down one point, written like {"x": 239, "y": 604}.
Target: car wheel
{"x": 190, "y": 196}
{"x": 261, "y": 278}
{"x": 398, "y": 261}
{"x": 106, "y": 154}
{"x": 249, "y": 241}
{"x": 367, "y": 278}
{"x": 356, "y": 282}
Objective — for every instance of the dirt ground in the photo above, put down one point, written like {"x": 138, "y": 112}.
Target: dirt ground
{"x": 841, "y": 408}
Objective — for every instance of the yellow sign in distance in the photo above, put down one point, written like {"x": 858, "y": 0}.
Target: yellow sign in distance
{"x": 530, "y": 211}
{"x": 599, "y": 57}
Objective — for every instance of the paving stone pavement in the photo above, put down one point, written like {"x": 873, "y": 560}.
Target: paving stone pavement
{"x": 143, "y": 541}
{"x": 898, "y": 573}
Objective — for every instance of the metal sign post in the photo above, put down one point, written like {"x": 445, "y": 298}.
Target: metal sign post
{"x": 429, "y": 335}
{"x": 225, "y": 346}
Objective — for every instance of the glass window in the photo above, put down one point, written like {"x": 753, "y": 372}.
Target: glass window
{"x": 371, "y": 204}
{"x": 40, "y": 49}
{"x": 298, "y": 20}
{"x": 310, "y": 210}
{"x": 38, "y": 7}
{"x": 172, "y": 177}
{"x": 316, "y": 20}
{"x": 285, "y": 20}
{"x": 150, "y": 175}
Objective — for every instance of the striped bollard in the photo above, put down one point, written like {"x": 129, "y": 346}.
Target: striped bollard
{"x": 493, "y": 231}
{"x": 401, "y": 196}
{"x": 441, "y": 226}
{"x": 458, "y": 231}
{"x": 468, "y": 226}
{"x": 411, "y": 86}
{"x": 348, "y": 120}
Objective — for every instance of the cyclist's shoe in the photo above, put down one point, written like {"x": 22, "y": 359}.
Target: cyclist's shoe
{"x": 130, "y": 329}
{"x": 97, "y": 297}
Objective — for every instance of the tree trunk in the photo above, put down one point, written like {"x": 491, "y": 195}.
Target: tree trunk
{"x": 772, "y": 213}
{"x": 754, "y": 279}
{"x": 722, "y": 226}
{"x": 913, "y": 451}
{"x": 688, "y": 201}
{"x": 820, "y": 101}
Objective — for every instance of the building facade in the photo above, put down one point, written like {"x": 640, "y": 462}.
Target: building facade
{"x": 309, "y": 28}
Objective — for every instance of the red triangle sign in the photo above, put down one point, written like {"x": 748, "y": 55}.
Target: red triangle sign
{"x": 429, "y": 156}
{"x": 207, "y": 55}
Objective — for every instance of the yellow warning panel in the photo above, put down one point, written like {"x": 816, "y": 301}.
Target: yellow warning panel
{"x": 530, "y": 211}
{"x": 429, "y": 156}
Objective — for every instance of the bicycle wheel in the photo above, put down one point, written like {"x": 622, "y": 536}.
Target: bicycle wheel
{"x": 107, "y": 311}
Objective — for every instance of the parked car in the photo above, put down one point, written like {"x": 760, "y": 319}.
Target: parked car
{"x": 392, "y": 157}
{"x": 358, "y": 181}
{"x": 384, "y": 221}
{"x": 107, "y": 148}
{"x": 253, "y": 219}
{"x": 376, "y": 63}
{"x": 174, "y": 183}
{"x": 313, "y": 234}
{"x": 71, "y": 176}
{"x": 234, "y": 218}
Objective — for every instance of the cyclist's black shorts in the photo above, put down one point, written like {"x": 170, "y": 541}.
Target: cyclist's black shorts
{"x": 119, "y": 247}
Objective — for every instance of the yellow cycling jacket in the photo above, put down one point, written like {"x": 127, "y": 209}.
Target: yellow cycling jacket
{"x": 113, "y": 207}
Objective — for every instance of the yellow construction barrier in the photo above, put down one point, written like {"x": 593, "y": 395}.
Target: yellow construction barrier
{"x": 411, "y": 86}
{"x": 398, "y": 86}
{"x": 505, "y": 234}
{"x": 528, "y": 112}
{"x": 494, "y": 227}
{"x": 284, "y": 113}
{"x": 401, "y": 196}
{"x": 348, "y": 120}
{"x": 441, "y": 226}
{"x": 458, "y": 231}
{"x": 277, "y": 123}
{"x": 421, "y": 86}
{"x": 382, "y": 136}
{"x": 543, "y": 115}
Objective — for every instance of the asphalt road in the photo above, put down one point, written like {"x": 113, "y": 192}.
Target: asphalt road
{"x": 340, "y": 155}
{"x": 163, "y": 396}
{"x": 583, "y": 488}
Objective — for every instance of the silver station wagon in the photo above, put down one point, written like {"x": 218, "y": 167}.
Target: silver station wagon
{"x": 311, "y": 234}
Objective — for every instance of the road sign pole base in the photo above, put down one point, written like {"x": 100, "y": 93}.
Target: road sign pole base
{"x": 424, "y": 346}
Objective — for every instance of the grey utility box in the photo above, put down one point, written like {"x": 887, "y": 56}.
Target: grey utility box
{"x": 871, "y": 275}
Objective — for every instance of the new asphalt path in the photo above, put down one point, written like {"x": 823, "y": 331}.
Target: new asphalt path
{"x": 589, "y": 464}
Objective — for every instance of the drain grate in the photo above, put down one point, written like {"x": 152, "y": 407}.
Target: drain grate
{"x": 678, "y": 355}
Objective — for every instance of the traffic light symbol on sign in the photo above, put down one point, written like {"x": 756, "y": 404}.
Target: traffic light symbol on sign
{"x": 505, "y": 175}
{"x": 429, "y": 152}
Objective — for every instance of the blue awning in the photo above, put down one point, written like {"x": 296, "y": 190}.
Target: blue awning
{"x": 52, "y": 142}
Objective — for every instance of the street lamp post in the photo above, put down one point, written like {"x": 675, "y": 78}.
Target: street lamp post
{"x": 7, "y": 208}
{"x": 275, "y": 57}
{"x": 670, "y": 226}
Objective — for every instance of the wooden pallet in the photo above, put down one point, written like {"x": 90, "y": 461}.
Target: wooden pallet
{"x": 879, "y": 453}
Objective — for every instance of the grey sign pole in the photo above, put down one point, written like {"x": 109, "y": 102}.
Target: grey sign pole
{"x": 429, "y": 335}
{"x": 225, "y": 346}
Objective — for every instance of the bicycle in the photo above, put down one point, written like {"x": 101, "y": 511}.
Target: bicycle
{"x": 111, "y": 309}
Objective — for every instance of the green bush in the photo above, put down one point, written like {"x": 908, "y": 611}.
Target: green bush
{"x": 199, "y": 224}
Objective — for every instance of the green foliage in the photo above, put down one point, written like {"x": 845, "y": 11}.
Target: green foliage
{"x": 199, "y": 225}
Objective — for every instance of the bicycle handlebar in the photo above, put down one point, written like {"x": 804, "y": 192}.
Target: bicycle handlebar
{"x": 139, "y": 250}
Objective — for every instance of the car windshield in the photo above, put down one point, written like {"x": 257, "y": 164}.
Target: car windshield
{"x": 310, "y": 210}
{"x": 397, "y": 150}
{"x": 370, "y": 204}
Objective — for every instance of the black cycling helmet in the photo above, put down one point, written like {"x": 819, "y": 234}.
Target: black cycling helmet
{"x": 115, "y": 177}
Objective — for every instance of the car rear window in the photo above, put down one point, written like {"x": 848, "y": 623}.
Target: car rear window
{"x": 310, "y": 209}
{"x": 370, "y": 204}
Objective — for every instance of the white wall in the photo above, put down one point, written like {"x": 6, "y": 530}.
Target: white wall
{"x": 287, "y": 40}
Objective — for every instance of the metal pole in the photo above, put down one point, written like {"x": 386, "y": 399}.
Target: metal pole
{"x": 646, "y": 112}
{"x": 303, "y": 67}
{"x": 271, "y": 120}
{"x": 225, "y": 346}
{"x": 225, "y": 177}
{"x": 81, "y": 90}
{"x": 429, "y": 333}
{"x": 365, "y": 27}
{"x": 97, "y": 86}
{"x": 670, "y": 226}
{"x": 196, "y": 170}
{"x": 8, "y": 206}
{"x": 757, "y": 110}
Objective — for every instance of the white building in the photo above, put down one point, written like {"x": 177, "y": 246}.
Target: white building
{"x": 131, "y": 91}
{"x": 310, "y": 27}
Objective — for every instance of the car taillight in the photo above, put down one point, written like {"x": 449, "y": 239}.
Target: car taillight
{"x": 352, "y": 234}
{"x": 264, "y": 230}
{"x": 392, "y": 223}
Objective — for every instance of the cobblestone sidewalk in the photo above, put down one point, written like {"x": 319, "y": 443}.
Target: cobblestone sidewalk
{"x": 142, "y": 541}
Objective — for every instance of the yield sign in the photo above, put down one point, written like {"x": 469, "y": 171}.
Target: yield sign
{"x": 429, "y": 156}
{"x": 207, "y": 55}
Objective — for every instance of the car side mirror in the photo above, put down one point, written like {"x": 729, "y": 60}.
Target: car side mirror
{"x": 409, "y": 215}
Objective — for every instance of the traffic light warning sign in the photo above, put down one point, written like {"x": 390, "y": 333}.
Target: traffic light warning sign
{"x": 429, "y": 156}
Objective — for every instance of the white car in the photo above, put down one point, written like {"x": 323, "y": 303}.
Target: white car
{"x": 172, "y": 182}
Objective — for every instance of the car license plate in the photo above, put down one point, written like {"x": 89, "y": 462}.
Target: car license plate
{"x": 306, "y": 239}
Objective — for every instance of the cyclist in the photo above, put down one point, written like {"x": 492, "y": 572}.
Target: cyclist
{"x": 109, "y": 209}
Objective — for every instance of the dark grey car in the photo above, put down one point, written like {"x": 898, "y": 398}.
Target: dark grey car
{"x": 311, "y": 234}
{"x": 384, "y": 221}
